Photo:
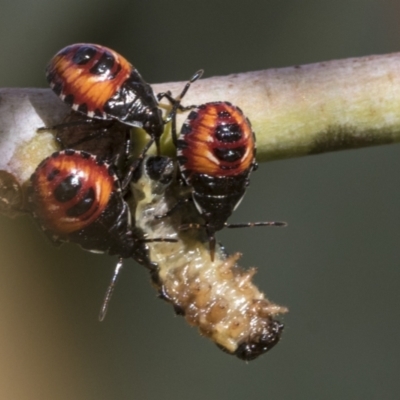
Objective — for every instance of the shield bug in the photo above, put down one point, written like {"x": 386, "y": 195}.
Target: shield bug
{"x": 76, "y": 197}
{"x": 102, "y": 84}
{"x": 216, "y": 152}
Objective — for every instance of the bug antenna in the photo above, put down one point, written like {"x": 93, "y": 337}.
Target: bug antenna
{"x": 110, "y": 290}
{"x": 176, "y": 101}
{"x": 194, "y": 78}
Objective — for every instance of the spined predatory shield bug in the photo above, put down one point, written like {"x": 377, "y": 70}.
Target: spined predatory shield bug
{"x": 102, "y": 84}
{"x": 216, "y": 155}
{"x": 76, "y": 197}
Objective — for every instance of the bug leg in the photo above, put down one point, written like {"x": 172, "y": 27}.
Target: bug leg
{"x": 186, "y": 227}
{"x": 90, "y": 136}
{"x": 110, "y": 290}
{"x": 174, "y": 134}
{"x": 128, "y": 144}
{"x": 176, "y": 102}
{"x": 168, "y": 240}
{"x": 253, "y": 224}
{"x": 95, "y": 129}
{"x": 194, "y": 78}
{"x": 131, "y": 170}
{"x": 135, "y": 164}
{"x": 83, "y": 121}
{"x": 167, "y": 95}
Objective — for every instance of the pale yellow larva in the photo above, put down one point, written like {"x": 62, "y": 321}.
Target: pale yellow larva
{"x": 217, "y": 297}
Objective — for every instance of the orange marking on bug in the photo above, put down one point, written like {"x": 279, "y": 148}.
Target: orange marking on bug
{"x": 203, "y": 143}
{"x": 52, "y": 212}
{"x": 87, "y": 88}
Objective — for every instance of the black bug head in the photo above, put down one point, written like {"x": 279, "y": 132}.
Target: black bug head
{"x": 160, "y": 169}
{"x": 161, "y": 172}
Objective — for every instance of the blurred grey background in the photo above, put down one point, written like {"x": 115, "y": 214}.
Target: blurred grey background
{"x": 336, "y": 266}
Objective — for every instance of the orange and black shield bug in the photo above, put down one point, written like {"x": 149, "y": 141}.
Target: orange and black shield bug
{"x": 76, "y": 197}
{"x": 216, "y": 155}
{"x": 102, "y": 84}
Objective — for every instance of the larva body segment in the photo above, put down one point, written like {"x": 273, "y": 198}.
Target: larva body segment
{"x": 218, "y": 297}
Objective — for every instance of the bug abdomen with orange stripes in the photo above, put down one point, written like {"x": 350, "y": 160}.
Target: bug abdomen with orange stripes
{"x": 216, "y": 140}
{"x": 86, "y": 76}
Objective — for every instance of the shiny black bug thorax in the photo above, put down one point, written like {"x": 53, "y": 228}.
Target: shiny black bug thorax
{"x": 217, "y": 197}
{"x": 140, "y": 109}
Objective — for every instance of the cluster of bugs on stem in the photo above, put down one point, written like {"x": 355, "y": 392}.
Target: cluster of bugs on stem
{"x": 163, "y": 213}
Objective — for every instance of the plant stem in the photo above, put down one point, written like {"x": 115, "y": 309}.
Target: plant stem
{"x": 294, "y": 111}
{"x": 315, "y": 108}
